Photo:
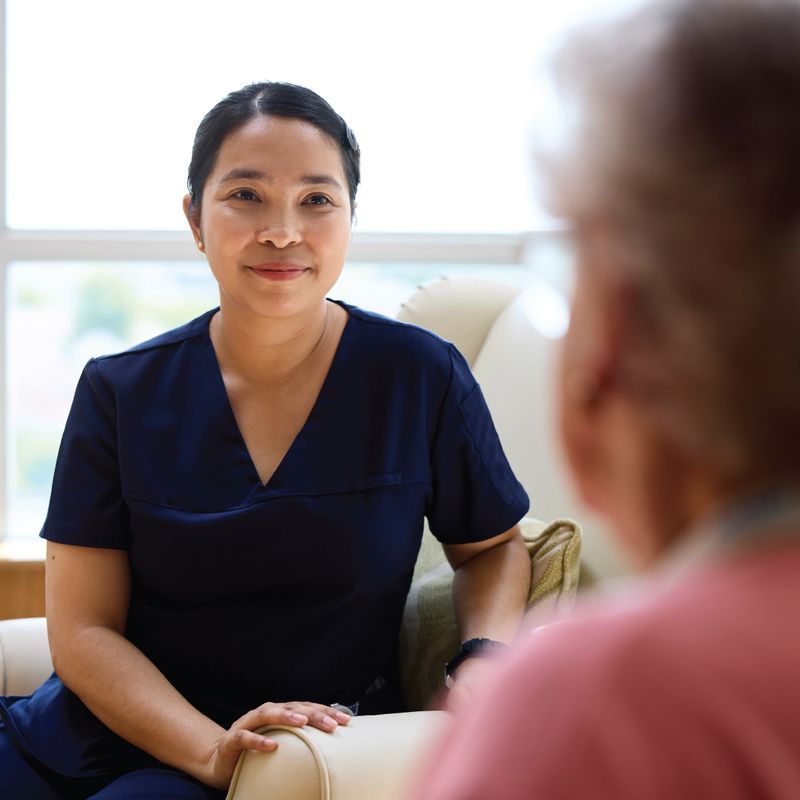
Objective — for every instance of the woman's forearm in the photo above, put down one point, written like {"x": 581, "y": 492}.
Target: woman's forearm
{"x": 490, "y": 590}
{"x": 125, "y": 690}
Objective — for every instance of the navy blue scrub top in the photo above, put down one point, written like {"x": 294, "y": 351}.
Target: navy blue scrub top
{"x": 244, "y": 592}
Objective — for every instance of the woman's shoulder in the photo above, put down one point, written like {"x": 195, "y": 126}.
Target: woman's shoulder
{"x": 132, "y": 365}
{"x": 411, "y": 355}
{"x": 391, "y": 338}
{"x": 196, "y": 328}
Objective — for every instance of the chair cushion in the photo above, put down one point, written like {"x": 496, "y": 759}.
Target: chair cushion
{"x": 24, "y": 655}
{"x": 429, "y": 636}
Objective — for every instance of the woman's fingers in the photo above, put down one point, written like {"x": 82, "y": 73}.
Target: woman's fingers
{"x": 242, "y": 734}
{"x": 242, "y": 739}
{"x": 337, "y": 713}
{"x": 230, "y": 747}
{"x": 270, "y": 714}
{"x": 296, "y": 714}
{"x": 318, "y": 716}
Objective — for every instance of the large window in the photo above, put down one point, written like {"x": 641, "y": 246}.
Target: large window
{"x": 101, "y": 100}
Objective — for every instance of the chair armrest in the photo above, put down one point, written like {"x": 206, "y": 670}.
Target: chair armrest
{"x": 370, "y": 758}
{"x": 24, "y": 655}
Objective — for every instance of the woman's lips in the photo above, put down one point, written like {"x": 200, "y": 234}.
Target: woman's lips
{"x": 279, "y": 272}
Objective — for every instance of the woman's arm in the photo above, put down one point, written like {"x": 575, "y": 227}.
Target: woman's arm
{"x": 87, "y": 596}
{"x": 490, "y": 587}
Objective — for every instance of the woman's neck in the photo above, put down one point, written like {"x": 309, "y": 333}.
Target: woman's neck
{"x": 268, "y": 350}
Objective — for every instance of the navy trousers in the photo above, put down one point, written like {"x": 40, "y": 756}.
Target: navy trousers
{"x": 21, "y": 780}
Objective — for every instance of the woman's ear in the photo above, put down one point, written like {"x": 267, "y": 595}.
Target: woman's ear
{"x": 192, "y": 214}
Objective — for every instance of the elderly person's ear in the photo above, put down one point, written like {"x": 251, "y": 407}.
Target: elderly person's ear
{"x": 593, "y": 394}
{"x": 602, "y": 309}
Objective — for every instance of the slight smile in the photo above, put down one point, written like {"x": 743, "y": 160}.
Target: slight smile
{"x": 279, "y": 272}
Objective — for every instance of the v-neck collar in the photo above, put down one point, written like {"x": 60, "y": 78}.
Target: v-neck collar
{"x": 311, "y": 422}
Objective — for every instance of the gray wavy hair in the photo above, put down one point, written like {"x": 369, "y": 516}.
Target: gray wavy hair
{"x": 687, "y": 145}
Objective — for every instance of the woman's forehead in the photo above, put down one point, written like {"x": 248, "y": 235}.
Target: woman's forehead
{"x": 279, "y": 146}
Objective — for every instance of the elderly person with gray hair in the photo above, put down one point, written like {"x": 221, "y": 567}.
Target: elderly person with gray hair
{"x": 680, "y": 415}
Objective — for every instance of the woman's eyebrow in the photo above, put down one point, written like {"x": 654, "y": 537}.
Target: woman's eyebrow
{"x": 242, "y": 174}
{"x": 324, "y": 179}
{"x": 245, "y": 174}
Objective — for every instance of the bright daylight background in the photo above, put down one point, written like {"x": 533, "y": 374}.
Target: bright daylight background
{"x": 101, "y": 102}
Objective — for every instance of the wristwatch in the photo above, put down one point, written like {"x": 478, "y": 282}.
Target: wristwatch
{"x": 470, "y": 649}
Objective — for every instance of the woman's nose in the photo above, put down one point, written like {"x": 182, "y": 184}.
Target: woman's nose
{"x": 279, "y": 228}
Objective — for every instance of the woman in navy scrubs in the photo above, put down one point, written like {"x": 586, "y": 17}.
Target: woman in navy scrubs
{"x": 238, "y": 503}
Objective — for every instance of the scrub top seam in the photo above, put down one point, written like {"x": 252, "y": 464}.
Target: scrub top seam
{"x": 276, "y": 494}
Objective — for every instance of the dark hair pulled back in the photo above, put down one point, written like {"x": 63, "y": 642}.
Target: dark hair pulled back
{"x": 269, "y": 99}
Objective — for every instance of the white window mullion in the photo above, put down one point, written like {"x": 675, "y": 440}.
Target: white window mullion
{"x": 3, "y": 114}
{"x": 3, "y": 271}
{"x": 178, "y": 246}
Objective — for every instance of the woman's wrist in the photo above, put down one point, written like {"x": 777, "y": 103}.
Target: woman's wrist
{"x": 199, "y": 760}
{"x": 472, "y": 648}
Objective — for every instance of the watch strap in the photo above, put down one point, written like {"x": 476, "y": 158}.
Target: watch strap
{"x": 472, "y": 648}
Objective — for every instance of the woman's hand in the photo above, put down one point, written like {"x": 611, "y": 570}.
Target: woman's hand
{"x": 242, "y": 736}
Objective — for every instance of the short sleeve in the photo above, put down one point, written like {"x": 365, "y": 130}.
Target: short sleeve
{"x": 86, "y": 504}
{"x": 475, "y": 494}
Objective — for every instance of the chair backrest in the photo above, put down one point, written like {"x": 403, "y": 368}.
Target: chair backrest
{"x": 502, "y": 331}
{"x": 461, "y": 311}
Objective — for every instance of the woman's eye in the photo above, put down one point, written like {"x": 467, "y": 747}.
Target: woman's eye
{"x": 318, "y": 200}
{"x": 245, "y": 194}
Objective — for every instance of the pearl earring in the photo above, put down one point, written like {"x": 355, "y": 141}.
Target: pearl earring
{"x": 201, "y": 247}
